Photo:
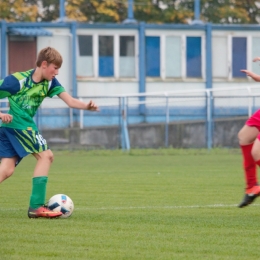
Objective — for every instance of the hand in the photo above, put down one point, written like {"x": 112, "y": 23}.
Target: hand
{"x": 254, "y": 76}
{"x": 247, "y": 72}
{"x": 92, "y": 106}
{"x": 6, "y": 118}
{"x": 256, "y": 59}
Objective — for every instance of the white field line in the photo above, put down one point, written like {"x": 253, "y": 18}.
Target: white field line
{"x": 165, "y": 207}
{"x": 148, "y": 207}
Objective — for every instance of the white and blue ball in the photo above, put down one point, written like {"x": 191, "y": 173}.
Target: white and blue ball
{"x": 61, "y": 203}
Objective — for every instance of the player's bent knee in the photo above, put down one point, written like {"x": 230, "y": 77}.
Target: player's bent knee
{"x": 247, "y": 135}
{"x": 255, "y": 155}
{"x": 7, "y": 168}
{"x": 6, "y": 173}
{"x": 242, "y": 138}
{"x": 46, "y": 155}
{"x": 9, "y": 172}
{"x": 239, "y": 136}
{"x": 49, "y": 156}
{"x": 256, "y": 151}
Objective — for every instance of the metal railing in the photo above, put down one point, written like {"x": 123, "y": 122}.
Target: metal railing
{"x": 205, "y": 95}
{"x": 208, "y": 99}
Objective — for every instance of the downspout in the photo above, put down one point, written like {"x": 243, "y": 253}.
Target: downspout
{"x": 3, "y": 49}
{"x": 73, "y": 30}
{"x": 130, "y": 13}
{"x": 62, "y": 11}
{"x": 142, "y": 78}
{"x": 74, "y": 90}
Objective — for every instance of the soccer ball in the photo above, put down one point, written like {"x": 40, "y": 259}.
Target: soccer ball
{"x": 61, "y": 203}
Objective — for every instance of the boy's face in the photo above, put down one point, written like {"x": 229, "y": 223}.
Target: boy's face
{"x": 50, "y": 71}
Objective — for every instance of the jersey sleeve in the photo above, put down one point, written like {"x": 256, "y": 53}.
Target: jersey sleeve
{"x": 10, "y": 85}
{"x": 55, "y": 88}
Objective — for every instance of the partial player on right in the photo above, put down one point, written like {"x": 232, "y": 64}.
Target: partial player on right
{"x": 249, "y": 141}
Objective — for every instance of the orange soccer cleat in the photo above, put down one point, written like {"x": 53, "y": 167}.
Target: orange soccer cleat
{"x": 43, "y": 212}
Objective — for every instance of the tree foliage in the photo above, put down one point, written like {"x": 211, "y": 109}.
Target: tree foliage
{"x": 103, "y": 10}
{"x": 161, "y": 11}
{"x": 49, "y": 10}
{"x": 227, "y": 11}
{"x": 18, "y": 10}
{"x": 150, "y": 11}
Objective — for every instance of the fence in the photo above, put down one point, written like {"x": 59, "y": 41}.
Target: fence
{"x": 205, "y": 104}
{"x": 159, "y": 107}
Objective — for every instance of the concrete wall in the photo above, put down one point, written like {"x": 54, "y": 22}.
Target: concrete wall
{"x": 190, "y": 134}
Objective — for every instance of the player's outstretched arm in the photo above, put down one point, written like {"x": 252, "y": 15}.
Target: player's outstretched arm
{"x": 76, "y": 103}
{"x": 254, "y": 76}
{"x": 6, "y": 118}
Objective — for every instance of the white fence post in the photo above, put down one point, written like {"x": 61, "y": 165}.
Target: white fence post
{"x": 81, "y": 117}
{"x": 249, "y": 101}
{"x": 209, "y": 118}
{"x": 167, "y": 120}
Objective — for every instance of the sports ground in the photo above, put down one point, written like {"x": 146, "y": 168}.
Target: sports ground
{"x": 142, "y": 204}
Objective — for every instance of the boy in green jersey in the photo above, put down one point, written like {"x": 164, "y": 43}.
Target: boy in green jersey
{"x": 19, "y": 135}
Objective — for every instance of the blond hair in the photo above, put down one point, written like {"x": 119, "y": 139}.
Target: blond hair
{"x": 50, "y": 55}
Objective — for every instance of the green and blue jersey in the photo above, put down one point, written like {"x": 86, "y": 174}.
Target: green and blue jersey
{"x": 25, "y": 96}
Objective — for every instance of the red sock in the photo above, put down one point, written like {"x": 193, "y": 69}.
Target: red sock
{"x": 249, "y": 166}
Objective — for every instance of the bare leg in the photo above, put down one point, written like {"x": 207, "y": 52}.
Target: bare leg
{"x": 44, "y": 160}
{"x": 7, "y": 167}
{"x": 247, "y": 135}
{"x": 256, "y": 150}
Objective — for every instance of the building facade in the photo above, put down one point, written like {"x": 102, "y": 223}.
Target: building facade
{"x": 150, "y": 64}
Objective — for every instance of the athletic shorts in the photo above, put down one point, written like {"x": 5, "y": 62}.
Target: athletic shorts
{"x": 19, "y": 143}
{"x": 254, "y": 120}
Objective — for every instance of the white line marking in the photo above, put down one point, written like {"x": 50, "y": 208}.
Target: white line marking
{"x": 166, "y": 207}
{"x": 147, "y": 207}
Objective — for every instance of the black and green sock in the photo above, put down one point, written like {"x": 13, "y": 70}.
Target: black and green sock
{"x": 38, "y": 195}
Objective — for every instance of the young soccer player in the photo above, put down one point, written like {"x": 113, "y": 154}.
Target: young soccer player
{"x": 249, "y": 140}
{"x": 19, "y": 135}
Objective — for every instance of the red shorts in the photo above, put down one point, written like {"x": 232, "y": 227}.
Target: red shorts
{"x": 254, "y": 120}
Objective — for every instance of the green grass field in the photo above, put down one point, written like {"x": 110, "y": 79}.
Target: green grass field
{"x": 146, "y": 204}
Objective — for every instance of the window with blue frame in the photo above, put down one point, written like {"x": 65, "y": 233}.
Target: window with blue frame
{"x": 152, "y": 44}
{"x": 85, "y": 57}
{"x": 239, "y": 56}
{"x": 193, "y": 57}
{"x": 106, "y": 56}
{"x": 127, "y": 56}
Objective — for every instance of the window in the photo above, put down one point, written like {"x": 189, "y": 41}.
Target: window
{"x": 127, "y": 56}
{"x": 152, "y": 56}
{"x": 173, "y": 57}
{"x": 110, "y": 56}
{"x": 220, "y": 57}
{"x": 255, "y": 53}
{"x": 106, "y": 56}
{"x": 85, "y": 58}
{"x": 193, "y": 57}
{"x": 239, "y": 57}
